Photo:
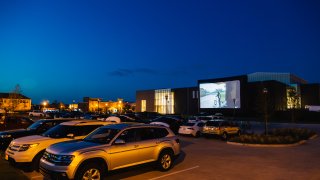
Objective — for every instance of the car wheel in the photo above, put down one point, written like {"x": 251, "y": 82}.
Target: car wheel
{"x": 239, "y": 133}
{"x": 198, "y": 134}
{"x": 90, "y": 171}
{"x": 35, "y": 162}
{"x": 165, "y": 160}
{"x": 224, "y": 136}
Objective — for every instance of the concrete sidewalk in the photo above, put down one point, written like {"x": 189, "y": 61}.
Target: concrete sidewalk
{"x": 8, "y": 172}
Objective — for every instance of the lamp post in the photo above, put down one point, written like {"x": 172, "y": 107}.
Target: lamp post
{"x": 98, "y": 106}
{"x": 44, "y": 103}
{"x": 265, "y": 92}
{"x": 166, "y": 97}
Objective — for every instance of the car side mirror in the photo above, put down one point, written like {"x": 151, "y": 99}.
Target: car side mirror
{"x": 70, "y": 135}
{"x": 119, "y": 141}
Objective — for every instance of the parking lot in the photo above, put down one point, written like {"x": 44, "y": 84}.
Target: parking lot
{"x": 203, "y": 158}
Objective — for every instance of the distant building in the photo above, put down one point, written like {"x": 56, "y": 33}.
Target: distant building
{"x": 97, "y": 105}
{"x": 168, "y": 101}
{"x": 14, "y": 102}
{"x": 250, "y": 93}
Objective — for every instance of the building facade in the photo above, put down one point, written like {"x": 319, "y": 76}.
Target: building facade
{"x": 253, "y": 93}
{"x": 168, "y": 101}
{"x": 12, "y": 102}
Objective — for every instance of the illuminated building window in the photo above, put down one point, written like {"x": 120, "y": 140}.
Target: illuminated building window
{"x": 143, "y": 105}
{"x": 164, "y": 101}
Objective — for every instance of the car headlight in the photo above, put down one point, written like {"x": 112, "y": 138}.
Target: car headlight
{"x": 64, "y": 160}
{"x": 5, "y": 136}
{"x": 25, "y": 147}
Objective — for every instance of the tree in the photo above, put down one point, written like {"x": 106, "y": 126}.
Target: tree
{"x": 293, "y": 101}
{"x": 14, "y": 98}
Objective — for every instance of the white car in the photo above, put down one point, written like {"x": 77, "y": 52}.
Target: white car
{"x": 192, "y": 128}
{"x": 37, "y": 113}
{"x": 30, "y": 149}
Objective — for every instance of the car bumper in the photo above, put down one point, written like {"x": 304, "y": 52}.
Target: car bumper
{"x": 210, "y": 132}
{"x": 19, "y": 157}
{"x": 53, "y": 171}
{"x": 187, "y": 132}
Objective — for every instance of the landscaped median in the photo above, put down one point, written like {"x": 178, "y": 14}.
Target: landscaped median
{"x": 282, "y": 137}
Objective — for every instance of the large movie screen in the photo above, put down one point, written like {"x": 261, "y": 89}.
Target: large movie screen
{"x": 220, "y": 94}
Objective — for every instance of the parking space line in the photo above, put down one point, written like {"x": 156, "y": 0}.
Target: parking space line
{"x": 174, "y": 173}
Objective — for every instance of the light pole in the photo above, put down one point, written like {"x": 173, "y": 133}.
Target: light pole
{"x": 166, "y": 97}
{"x": 98, "y": 106}
{"x": 44, "y": 103}
{"x": 265, "y": 92}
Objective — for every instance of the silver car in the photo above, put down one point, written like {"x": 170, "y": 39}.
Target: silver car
{"x": 109, "y": 148}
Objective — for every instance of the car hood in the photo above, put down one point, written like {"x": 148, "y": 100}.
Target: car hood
{"x": 71, "y": 146}
{"x": 38, "y": 139}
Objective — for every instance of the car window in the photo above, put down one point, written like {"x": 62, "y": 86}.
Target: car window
{"x": 161, "y": 132}
{"x": 225, "y": 123}
{"x": 61, "y": 131}
{"x": 189, "y": 124}
{"x": 147, "y": 133}
{"x": 128, "y": 135}
{"x": 212, "y": 123}
{"x": 84, "y": 130}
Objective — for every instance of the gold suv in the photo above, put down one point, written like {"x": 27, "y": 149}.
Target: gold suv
{"x": 109, "y": 148}
{"x": 221, "y": 128}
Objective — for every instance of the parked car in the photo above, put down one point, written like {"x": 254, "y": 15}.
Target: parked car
{"x": 171, "y": 122}
{"x": 37, "y": 113}
{"x": 221, "y": 128}
{"x": 37, "y": 127}
{"x": 109, "y": 148}
{"x": 192, "y": 128}
{"x": 218, "y": 116}
{"x": 9, "y": 123}
{"x": 30, "y": 149}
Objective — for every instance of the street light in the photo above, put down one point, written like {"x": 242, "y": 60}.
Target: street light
{"x": 265, "y": 92}
{"x": 44, "y": 103}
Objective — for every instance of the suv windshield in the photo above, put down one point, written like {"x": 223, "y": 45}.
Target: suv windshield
{"x": 35, "y": 125}
{"x": 61, "y": 131}
{"x": 213, "y": 123}
{"x": 102, "y": 135}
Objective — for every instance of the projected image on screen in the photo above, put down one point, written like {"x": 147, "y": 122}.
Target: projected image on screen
{"x": 220, "y": 94}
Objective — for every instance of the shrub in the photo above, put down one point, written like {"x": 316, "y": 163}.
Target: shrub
{"x": 276, "y": 136}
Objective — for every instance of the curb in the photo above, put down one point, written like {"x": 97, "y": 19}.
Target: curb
{"x": 268, "y": 145}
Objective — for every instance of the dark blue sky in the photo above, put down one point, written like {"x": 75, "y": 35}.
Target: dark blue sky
{"x": 65, "y": 50}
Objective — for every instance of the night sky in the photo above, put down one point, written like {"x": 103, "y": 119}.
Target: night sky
{"x": 65, "y": 50}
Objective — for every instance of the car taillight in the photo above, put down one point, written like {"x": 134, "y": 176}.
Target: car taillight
{"x": 178, "y": 141}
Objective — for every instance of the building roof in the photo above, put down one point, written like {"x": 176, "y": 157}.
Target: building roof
{"x": 7, "y": 95}
{"x": 286, "y": 78}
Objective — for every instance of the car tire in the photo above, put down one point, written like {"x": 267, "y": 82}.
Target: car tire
{"x": 165, "y": 160}
{"x": 35, "y": 162}
{"x": 224, "y": 136}
{"x": 198, "y": 134}
{"x": 90, "y": 170}
{"x": 239, "y": 133}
